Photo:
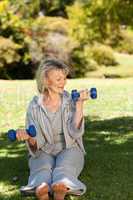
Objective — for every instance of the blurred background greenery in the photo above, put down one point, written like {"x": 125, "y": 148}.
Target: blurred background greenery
{"x": 95, "y": 37}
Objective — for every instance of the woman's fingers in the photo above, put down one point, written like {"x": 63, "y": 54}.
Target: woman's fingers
{"x": 21, "y": 135}
{"x": 84, "y": 94}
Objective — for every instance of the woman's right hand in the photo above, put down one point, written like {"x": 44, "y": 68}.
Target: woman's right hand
{"x": 84, "y": 94}
{"x": 22, "y": 135}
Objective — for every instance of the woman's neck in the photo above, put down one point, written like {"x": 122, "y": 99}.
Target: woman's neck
{"x": 52, "y": 101}
{"x": 52, "y": 96}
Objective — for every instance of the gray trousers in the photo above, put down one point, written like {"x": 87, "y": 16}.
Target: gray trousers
{"x": 65, "y": 168}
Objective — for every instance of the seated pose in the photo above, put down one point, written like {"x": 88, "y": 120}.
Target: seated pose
{"x": 56, "y": 153}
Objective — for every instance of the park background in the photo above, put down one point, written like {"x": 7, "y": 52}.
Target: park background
{"x": 95, "y": 38}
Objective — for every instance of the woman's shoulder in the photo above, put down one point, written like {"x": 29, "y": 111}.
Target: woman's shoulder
{"x": 66, "y": 94}
{"x": 33, "y": 103}
{"x": 68, "y": 99}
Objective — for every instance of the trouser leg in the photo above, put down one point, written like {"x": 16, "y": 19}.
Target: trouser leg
{"x": 69, "y": 164}
{"x": 41, "y": 169}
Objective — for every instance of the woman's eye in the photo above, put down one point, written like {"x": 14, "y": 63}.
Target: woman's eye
{"x": 59, "y": 79}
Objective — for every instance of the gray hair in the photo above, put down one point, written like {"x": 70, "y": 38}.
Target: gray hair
{"x": 44, "y": 68}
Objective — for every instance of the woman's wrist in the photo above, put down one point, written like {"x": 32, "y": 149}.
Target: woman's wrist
{"x": 79, "y": 105}
{"x": 31, "y": 141}
{"x": 79, "y": 110}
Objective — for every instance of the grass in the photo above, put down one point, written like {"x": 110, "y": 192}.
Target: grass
{"x": 124, "y": 68}
{"x": 108, "y": 138}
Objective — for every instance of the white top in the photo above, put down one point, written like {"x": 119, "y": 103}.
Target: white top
{"x": 56, "y": 122}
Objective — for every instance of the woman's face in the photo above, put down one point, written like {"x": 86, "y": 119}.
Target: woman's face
{"x": 56, "y": 80}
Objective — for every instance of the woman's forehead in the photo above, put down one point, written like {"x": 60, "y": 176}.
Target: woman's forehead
{"x": 56, "y": 72}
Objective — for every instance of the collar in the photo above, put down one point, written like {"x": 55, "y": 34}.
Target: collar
{"x": 65, "y": 99}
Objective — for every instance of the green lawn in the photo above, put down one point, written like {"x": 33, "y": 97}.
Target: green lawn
{"x": 124, "y": 68}
{"x": 108, "y": 138}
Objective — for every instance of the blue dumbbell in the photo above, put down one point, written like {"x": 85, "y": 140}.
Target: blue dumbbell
{"x": 75, "y": 94}
{"x": 30, "y": 131}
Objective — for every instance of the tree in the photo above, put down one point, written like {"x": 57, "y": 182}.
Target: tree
{"x": 98, "y": 19}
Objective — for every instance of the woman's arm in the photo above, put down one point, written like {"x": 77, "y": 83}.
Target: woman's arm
{"x": 30, "y": 120}
{"x": 23, "y": 136}
{"x": 78, "y": 117}
{"x": 75, "y": 123}
{"x": 32, "y": 143}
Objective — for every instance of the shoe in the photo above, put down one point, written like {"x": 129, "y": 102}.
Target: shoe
{"x": 27, "y": 191}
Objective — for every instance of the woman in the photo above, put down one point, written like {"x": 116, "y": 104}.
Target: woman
{"x": 56, "y": 153}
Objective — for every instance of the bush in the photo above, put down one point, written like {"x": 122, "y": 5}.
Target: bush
{"x": 78, "y": 63}
{"x": 90, "y": 58}
{"x": 8, "y": 52}
{"x": 102, "y": 54}
{"x": 125, "y": 44}
{"x": 54, "y": 24}
{"x": 8, "y": 55}
{"x": 44, "y": 32}
{"x": 82, "y": 63}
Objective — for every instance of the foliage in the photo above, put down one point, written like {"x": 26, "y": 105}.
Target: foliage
{"x": 14, "y": 27}
{"x": 35, "y": 25}
{"x": 125, "y": 12}
{"x": 124, "y": 68}
{"x": 27, "y": 8}
{"x": 125, "y": 43}
{"x": 102, "y": 54}
{"x": 82, "y": 63}
{"x": 49, "y": 38}
{"x": 8, "y": 55}
{"x": 33, "y": 35}
{"x": 11, "y": 23}
{"x": 54, "y": 8}
{"x": 97, "y": 19}
{"x": 92, "y": 21}
{"x": 8, "y": 52}
{"x": 91, "y": 58}
{"x": 34, "y": 8}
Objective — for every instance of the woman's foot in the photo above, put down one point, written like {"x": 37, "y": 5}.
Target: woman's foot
{"x": 42, "y": 192}
{"x": 60, "y": 190}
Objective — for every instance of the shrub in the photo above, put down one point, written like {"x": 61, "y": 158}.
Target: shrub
{"x": 125, "y": 44}
{"x": 90, "y": 57}
{"x": 54, "y": 24}
{"x": 8, "y": 56}
{"x": 102, "y": 54}
{"x": 8, "y": 52}
{"x": 43, "y": 31}
{"x": 82, "y": 63}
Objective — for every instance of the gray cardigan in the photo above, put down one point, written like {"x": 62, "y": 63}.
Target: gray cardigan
{"x": 37, "y": 115}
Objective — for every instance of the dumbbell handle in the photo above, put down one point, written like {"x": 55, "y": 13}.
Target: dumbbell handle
{"x": 75, "y": 94}
{"x": 31, "y": 131}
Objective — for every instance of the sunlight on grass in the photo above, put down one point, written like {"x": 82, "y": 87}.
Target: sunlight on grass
{"x": 124, "y": 59}
{"x": 8, "y": 189}
{"x": 121, "y": 139}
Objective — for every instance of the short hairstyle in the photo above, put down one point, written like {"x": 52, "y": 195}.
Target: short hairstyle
{"x": 44, "y": 68}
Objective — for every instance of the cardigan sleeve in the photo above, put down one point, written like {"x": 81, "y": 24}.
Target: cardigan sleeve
{"x": 31, "y": 120}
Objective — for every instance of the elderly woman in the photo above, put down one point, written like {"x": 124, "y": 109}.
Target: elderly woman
{"x": 56, "y": 154}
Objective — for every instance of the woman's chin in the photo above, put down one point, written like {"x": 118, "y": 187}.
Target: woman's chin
{"x": 61, "y": 91}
